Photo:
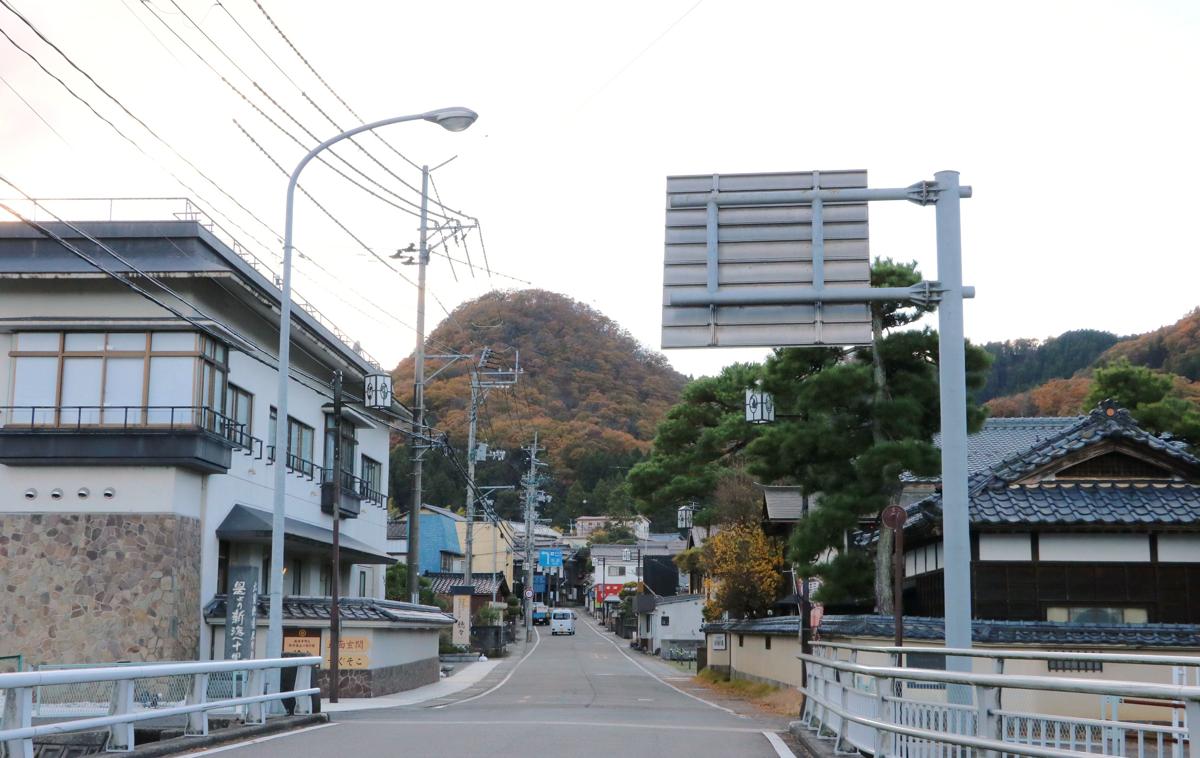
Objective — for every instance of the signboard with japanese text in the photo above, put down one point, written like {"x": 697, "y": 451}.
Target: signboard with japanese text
{"x": 718, "y": 642}
{"x": 355, "y": 653}
{"x": 303, "y": 641}
{"x": 241, "y": 605}
{"x": 539, "y": 582}
{"x": 462, "y": 620}
{"x": 550, "y": 558}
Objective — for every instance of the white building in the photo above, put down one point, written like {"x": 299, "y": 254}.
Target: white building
{"x": 138, "y": 446}
{"x": 639, "y": 525}
{"x": 671, "y": 626}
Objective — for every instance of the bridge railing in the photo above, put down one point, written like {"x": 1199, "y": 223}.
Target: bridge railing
{"x": 931, "y": 713}
{"x": 17, "y": 731}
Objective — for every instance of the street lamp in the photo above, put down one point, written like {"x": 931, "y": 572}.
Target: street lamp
{"x": 452, "y": 119}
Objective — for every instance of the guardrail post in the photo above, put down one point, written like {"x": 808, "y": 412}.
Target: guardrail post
{"x": 18, "y": 714}
{"x": 843, "y": 722}
{"x": 255, "y": 712}
{"x": 304, "y": 704}
{"x": 987, "y": 720}
{"x": 120, "y": 736}
{"x": 197, "y": 725}
{"x": 885, "y": 741}
{"x": 1191, "y": 712}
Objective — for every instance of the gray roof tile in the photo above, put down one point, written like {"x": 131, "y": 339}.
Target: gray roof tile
{"x": 315, "y": 608}
{"x": 1020, "y": 632}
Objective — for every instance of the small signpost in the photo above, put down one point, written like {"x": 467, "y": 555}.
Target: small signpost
{"x": 461, "y": 593}
{"x": 241, "y": 612}
{"x": 893, "y": 517}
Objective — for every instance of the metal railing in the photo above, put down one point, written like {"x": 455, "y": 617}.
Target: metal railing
{"x": 127, "y": 708}
{"x": 50, "y": 419}
{"x": 356, "y": 486}
{"x": 870, "y": 708}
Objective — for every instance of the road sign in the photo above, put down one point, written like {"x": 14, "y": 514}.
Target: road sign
{"x": 894, "y": 516}
{"x": 739, "y": 235}
{"x": 550, "y": 558}
{"x": 528, "y": 593}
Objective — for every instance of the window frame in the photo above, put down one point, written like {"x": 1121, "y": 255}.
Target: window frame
{"x": 371, "y": 472}
{"x": 307, "y": 464}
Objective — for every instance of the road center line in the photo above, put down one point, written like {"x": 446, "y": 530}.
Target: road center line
{"x": 657, "y": 678}
{"x": 537, "y": 641}
{"x": 574, "y": 724}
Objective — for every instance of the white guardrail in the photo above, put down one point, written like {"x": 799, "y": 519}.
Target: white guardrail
{"x": 890, "y": 711}
{"x": 126, "y": 708}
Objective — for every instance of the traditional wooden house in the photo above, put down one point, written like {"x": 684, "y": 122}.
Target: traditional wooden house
{"x": 1089, "y": 520}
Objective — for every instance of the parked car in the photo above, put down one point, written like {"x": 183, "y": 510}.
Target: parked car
{"x": 562, "y": 622}
{"x": 541, "y": 614}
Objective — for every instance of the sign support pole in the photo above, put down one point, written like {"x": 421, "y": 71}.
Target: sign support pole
{"x": 952, "y": 381}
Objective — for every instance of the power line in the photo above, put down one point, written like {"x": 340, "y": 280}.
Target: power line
{"x": 121, "y": 105}
{"x": 30, "y": 107}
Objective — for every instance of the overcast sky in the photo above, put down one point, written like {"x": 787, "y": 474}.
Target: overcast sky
{"x": 1075, "y": 123}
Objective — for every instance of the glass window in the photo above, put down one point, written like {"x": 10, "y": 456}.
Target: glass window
{"x": 362, "y": 584}
{"x": 42, "y": 342}
{"x": 1097, "y": 615}
{"x": 349, "y": 444}
{"x": 123, "y": 389}
{"x": 173, "y": 342}
{"x": 35, "y": 381}
{"x": 300, "y": 447}
{"x": 171, "y": 382}
{"x": 666, "y": 620}
{"x": 129, "y": 342}
{"x": 372, "y": 475}
{"x": 326, "y": 579}
{"x": 240, "y": 407}
{"x": 84, "y": 342}
{"x": 81, "y": 390}
{"x": 271, "y": 429}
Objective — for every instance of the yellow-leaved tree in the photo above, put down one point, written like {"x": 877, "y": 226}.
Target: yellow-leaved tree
{"x": 745, "y": 565}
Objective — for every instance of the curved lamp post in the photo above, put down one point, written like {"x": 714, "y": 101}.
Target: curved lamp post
{"x": 451, "y": 119}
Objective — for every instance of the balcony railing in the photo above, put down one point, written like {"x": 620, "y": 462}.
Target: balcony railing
{"x": 110, "y": 418}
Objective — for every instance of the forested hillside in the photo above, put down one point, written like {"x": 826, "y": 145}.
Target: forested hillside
{"x": 1062, "y": 391}
{"x": 593, "y": 393}
{"x": 1022, "y": 364}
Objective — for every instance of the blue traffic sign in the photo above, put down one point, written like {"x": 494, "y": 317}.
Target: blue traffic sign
{"x": 550, "y": 558}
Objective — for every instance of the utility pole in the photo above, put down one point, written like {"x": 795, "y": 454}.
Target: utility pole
{"x": 335, "y": 614}
{"x": 531, "y": 482}
{"x": 414, "y": 508}
{"x": 469, "y": 577}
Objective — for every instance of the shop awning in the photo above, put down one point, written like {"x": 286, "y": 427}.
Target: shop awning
{"x": 246, "y": 524}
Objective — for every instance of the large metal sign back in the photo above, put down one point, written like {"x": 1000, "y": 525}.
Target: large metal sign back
{"x": 734, "y": 247}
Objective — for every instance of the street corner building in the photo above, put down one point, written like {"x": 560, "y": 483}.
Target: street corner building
{"x": 138, "y": 450}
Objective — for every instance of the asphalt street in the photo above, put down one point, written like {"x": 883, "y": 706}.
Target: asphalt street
{"x": 578, "y": 695}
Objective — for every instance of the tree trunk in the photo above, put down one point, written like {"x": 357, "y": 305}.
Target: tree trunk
{"x": 883, "y": 548}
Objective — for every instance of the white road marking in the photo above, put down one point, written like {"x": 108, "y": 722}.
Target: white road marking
{"x": 659, "y": 679}
{"x": 781, "y": 748}
{"x": 537, "y": 641}
{"x": 223, "y": 748}
{"x": 573, "y": 724}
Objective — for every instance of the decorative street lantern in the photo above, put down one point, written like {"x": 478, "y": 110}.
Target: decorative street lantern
{"x": 377, "y": 391}
{"x": 760, "y": 407}
{"x": 683, "y": 516}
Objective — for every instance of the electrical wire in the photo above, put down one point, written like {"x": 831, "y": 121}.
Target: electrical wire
{"x": 34, "y": 110}
{"x": 121, "y": 105}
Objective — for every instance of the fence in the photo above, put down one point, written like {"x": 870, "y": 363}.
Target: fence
{"x": 930, "y": 713}
{"x": 142, "y": 692}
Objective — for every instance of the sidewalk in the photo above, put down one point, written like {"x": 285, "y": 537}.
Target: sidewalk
{"x": 464, "y": 676}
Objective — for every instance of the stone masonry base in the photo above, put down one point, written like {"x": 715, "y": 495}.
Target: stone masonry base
{"x": 382, "y": 681}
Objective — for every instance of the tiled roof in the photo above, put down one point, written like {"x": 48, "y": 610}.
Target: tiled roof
{"x": 310, "y": 608}
{"x": 672, "y": 599}
{"x": 1001, "y": 438}
{"x": 484, "y": 583}
{"x": 996, "y": 499}
{"x": 775, "y": 625}
{"x": 1020, "y": 632}
{"x": 1088, "y": 503}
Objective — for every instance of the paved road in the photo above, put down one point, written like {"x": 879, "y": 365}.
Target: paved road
{"x": 573, "y": 696}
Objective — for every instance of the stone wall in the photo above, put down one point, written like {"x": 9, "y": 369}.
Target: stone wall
{"x": 99, "y": 587}
{"x": 382, "y": 681}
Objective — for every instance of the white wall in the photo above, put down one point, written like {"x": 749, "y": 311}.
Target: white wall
{"x": 1005, "y": 547}
{"x": 1094, "y": 548}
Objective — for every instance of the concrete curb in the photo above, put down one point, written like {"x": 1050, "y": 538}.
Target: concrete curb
{"x": 185, "y": 745}
{"x": 812, "y": 745}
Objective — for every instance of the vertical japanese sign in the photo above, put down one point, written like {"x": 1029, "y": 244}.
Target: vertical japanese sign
{"x": 462, "y": 615}
{"x": 241, "y": 606}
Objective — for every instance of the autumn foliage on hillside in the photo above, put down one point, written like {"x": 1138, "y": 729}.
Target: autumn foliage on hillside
{"x": 1174, "y": 349}
{"x": 594, "y": 394}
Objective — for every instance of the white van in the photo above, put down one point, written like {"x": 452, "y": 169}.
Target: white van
{"x": 562, "y": 622}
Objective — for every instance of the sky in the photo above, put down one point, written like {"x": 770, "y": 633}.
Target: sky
{"x": 1075, "y": 123}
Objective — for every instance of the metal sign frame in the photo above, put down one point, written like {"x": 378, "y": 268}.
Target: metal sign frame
{"x": 945, "y": 193}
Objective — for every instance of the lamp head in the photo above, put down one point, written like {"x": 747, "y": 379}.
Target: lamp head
{"x": 452, "y": 119}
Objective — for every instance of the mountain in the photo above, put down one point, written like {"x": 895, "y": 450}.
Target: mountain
{"x": 593, "y": 393}
{"x": 1022, "y": 364}
{"x": 1064, "y": 375}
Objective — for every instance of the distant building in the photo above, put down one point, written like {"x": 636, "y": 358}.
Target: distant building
{"x": 440, "y": 547}
{"x": 639, "y": 525}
